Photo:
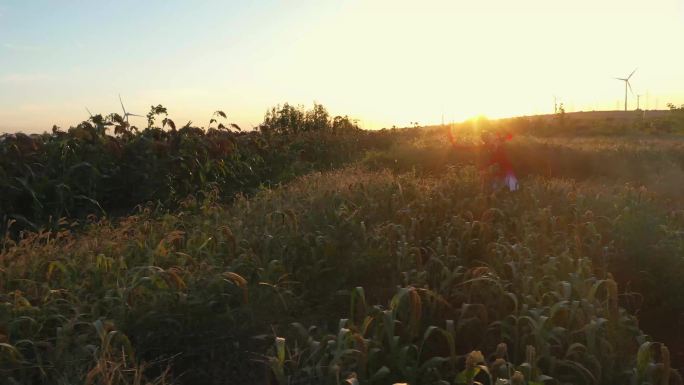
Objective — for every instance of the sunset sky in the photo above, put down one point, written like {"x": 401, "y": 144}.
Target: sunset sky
{"x": 385, "y": 62}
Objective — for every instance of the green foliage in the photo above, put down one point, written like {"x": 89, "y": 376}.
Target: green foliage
{"x": 86, "y": 171}
{"x": 399, "y": 269}
{"x": 444, "y": 271}
{"x": 294, "y": 119}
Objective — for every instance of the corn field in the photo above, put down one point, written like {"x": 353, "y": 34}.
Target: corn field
{"x": 385, "y": 264}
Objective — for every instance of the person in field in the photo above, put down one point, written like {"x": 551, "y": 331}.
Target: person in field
{"x": 496, "y": 170}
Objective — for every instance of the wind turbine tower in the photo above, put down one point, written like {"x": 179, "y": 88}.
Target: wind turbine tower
{"x": 626, "y": 80}
{"x": 555, "y": 104}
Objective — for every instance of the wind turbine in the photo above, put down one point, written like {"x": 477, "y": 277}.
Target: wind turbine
{"x": 555, "y": 104}
{"x": 626, "y": 80}
{"x": 127, "y": 114}
{"x": 558, "y": 104}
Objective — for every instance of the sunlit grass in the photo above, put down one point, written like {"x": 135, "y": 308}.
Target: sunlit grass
{"x": 396, "y": 269}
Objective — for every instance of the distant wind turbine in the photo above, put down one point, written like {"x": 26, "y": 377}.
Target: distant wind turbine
{"x": 626, "y": 80}
{"x": 126, "y": 114}
{"x": 555, "y": 104}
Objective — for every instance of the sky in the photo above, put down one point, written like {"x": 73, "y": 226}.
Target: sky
{"x": 384, "y": 62}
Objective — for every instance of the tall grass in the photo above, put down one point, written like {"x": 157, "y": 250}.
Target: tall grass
{"x": 104, "y": 166}
{"x": 459, "y": 271}
{"x": 398, "y": 269}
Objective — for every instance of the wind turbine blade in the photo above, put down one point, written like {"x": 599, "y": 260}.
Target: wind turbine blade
{"x": 122, "y": 106}
{"x": 624, "y": 80}
{"x": 630, "y": 75}
{"x": 140, "y": 116}
{"x": 89, "y": 113}
{"x": 630, "y": 87}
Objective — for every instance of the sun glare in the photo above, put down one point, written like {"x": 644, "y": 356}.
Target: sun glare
{"x": 385, "y": 62}
{"x": 341, "y": 192}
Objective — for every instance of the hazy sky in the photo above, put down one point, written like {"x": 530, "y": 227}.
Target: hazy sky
{"x": 383, "y": 61}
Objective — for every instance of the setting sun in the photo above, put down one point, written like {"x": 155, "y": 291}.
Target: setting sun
{"x": 384, "y": 62}
{"x": 341, "y": 192}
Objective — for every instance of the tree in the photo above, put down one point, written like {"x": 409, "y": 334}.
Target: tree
{"x": 317, "y": 119}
